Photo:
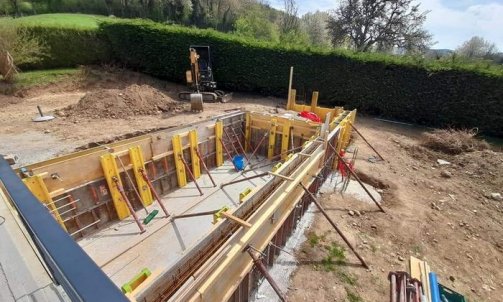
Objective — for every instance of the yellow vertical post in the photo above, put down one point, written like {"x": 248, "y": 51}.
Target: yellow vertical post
{"x": 136, "y": 158}
{"x": 247, "y": 131}
{"x": 219, "y": 131}
{"x": 292, "y": 98}
{"x": 290, "y": 103}
{"x": 272, "y": 138}
{"x": 285, "y": 138}
{"x": 314, "y": 101}
{"x": 37, "y": 186}
{"x": 196, "y": 165}
{"x": 111, "y": 171}
{"x": 180, "y": 168}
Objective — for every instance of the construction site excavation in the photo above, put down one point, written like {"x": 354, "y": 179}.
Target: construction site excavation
{"x": 191, "y": 213}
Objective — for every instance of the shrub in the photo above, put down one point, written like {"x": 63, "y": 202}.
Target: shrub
{"x": 24, "y": 47}
{"x": 406, "y": 88}
{"x": 451, "y": 141}
{"x": 68, "y": 47}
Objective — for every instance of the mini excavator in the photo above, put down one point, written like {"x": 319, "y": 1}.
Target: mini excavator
{"x": 200, "y": 80}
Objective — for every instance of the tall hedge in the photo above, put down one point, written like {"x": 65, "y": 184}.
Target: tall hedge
{"x": 429, "y": 95}
{"x": 69, "y": 46}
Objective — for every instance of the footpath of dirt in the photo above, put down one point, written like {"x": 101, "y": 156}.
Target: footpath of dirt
{"x": 443, "y": 214}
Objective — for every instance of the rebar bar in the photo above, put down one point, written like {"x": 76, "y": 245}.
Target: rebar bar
{"x": 322, "y": 210}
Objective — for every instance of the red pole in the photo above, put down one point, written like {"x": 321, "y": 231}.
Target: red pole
{"x": 230, "y": 140}
{"x": 126, "y": 200}
{"x": 261, "y": 267}
{"x": 187, "y": 168}
{"x": 201, "y": 160}
{"x": 239, "y": 144}
{"x": 322, "y": 210}
{"x": 228, "y": 154}
{"x": 152, "y": 189}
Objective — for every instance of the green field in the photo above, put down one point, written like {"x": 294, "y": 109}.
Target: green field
{"x": 43, "y": 77}
{"x": 59, "y": 20}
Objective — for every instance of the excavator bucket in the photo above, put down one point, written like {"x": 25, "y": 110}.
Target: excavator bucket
{"x": 196, "y": 102}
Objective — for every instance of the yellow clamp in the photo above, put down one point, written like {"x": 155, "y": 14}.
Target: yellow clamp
{"x": 288, "y": 157}
{"x": 218, "y": 215}
{"x": 243, "y": 194}
{"x": 276, "y": 167}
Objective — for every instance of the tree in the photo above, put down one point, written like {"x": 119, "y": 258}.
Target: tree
{"x": 254, "y": 23}
{"x": 315, "y": 25}
{"x": 379, "y": 25}
{"x": 290, "y": 22}
{"x": 477, "y": 47}
{"x": 18, "y": 47}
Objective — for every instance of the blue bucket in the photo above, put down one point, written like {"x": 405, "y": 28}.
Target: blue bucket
{"x": 239, "y": 162}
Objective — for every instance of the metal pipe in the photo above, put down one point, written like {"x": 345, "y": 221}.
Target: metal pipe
{"x": 230, "y": 141}
{"x": 205, "y": 167}
{"x": 132, "y": 184}
{"x": 365, "y": 140}
{"x": 86, "y": 227}
{"x": 357, "y": 178}
{"x": 152, "y": 189}
{"x": 239, "y": 144}
{"x": 276, "y": 156}
{"x": 65, "y": 205}
{"x": 258, "y": 146}
{"x": 261, "y": 267}
{"x": 130, "y": 207}
{"x": 249, "y": 142}
{"x": 195, "y": 214}
{"x": 228, "y": 154}
{"x": 187, "y": 168}
{"x": 322, "y": 210}
{"x": 392, "y": 290}
{"x": 244, "y": 179}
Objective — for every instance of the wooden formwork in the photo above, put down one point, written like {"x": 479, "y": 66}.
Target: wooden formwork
{"x": 217, "y": 269}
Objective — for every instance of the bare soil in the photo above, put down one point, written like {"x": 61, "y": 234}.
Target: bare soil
{"x": 449, "y": 221}
{"x": 82, "y": 119}
{"x": 122, "y": 103}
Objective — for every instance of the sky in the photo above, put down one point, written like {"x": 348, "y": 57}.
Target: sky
{"x": 450, "y": 21}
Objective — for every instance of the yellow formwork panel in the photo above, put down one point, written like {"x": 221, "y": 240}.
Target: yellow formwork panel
{"x": 111, "y": 171}
{"x": 196, "y": 165}
{"x": 180, "y": 167}
{"x": 272, "y": 138}
{"x": 285, "y": 138}
{"x": 219, "y": 153}
{"x": 314, "y": 101}
{"x": 247, "y": 131}
{"x": 136, "y": 158}
{"x": 313, "y": 107}
{"x": 37, "y": 187}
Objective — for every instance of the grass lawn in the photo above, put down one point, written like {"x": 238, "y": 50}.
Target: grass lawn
{"x": 43, "y": 77}
{"x": 66, "y": 20}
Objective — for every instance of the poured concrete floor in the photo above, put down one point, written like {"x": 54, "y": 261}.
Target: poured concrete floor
{"x": 122, "y": 252}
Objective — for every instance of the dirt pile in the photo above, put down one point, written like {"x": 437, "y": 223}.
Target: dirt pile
{"x": 451, "y": 141}
{"x": 122, "y": 103}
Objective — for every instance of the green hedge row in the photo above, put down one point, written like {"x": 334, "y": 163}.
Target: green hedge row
{"x": 429, "y": 93}
{"x": 432, "y": 95}
{"x": 69, "y": 47}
